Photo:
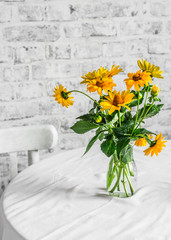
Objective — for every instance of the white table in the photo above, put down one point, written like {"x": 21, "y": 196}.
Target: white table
{"x": 63, "y": 198}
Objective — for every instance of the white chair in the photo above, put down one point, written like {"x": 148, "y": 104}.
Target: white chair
{"x": 27, "y": 138}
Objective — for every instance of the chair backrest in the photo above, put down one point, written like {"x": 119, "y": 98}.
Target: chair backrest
{"x": 27, "y": 138}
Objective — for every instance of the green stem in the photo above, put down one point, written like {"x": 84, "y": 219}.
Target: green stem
{"x": 85, "y": 95}
{"x": 136, "y": 114}
{"x": 118, "y": 187}
{"x": 110, "y": 130}
{"x": 129, "y": 181}
{"x": 113, "y": 173}
{"x": 130, "y": 171}
{"x": 124, "y": 184}
{"x": 145, "y": 104}
{"x": 145, "y": 114}
{"x": 114, "y": 169}
{"x": 118, "y": 180}
{"x": 119, "y": 118}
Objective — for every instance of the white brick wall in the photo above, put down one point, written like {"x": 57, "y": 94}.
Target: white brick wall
{"x": 46, "y": 42}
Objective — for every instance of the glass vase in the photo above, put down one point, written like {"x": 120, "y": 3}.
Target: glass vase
{"x": 122, "y": 176}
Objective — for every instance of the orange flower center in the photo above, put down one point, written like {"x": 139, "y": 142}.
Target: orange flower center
{"x": 136, "y": 77}
{"x": 99, "y": 83}
{"x": 117, "y": 100}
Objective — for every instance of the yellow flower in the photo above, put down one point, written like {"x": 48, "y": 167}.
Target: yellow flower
{"x": 156, "y": 146}
{"x": 141, "y": 142}
{"x": 101, "y": 79}
{"x": 150, "y": 68}
{"x": 150, "y": 136}
{"x": 62, "y": 96}
{"x": 114, "y": 71}
{"x": 114, "y": 101}
{"x": 138, "y": 79}
{"x": 155, "y": 90}
{"x": 99, "y": 74}
{"x": 100, "y": 85}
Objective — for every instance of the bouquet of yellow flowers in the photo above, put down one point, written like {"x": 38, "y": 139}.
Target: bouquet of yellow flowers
{"x": 116, "y": 127}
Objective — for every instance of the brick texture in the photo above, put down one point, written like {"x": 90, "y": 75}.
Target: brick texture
{"x": 44, "y": 43}
{"x": 5, "y": 14}
{"x": 43, "y": 33}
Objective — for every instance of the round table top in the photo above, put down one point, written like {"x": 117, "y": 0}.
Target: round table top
{"x": 64, "y": 197}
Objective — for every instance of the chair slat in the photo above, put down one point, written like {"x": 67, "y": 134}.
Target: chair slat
{"x": 13, "y": 165}
{"x": 33, "y": 157}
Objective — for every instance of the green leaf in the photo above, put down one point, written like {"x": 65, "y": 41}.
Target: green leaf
{"x": 153, "y": 111}
{"x": 82, "y": 126}
{"x": 127, "y": 154}
{"x": 124, "y": 130}
{"x": 108, "y": 117}
{"x": 115, "y": 119}
{"x": 128, "y": 124}
{"x": 111, "y": 120}
{"x": 141, "y": 131}
{"x": 111, "y": 172}
{"x": 156, "y": 99}
{"x": 127, "y": 117}
{"x": 150, "y": 113}
{"x": 108, "y": 146}
{"x": 101, "y": 136}
{"x": 91, "y": 111}
{"x": 95, "y": 105}
{"x": 85, "y": 117}
{"x": 122, "y": 143}
{"x": 92, "y": 141}
{"x": 120, "y": 131}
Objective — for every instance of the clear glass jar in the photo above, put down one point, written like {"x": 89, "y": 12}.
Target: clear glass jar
{"x": 123, "y": 178}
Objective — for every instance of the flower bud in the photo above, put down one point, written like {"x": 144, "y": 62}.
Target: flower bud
{"x": 98, "y": 119}
{"x": 140, "y": 95}
{"x": 155, "y": 90}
